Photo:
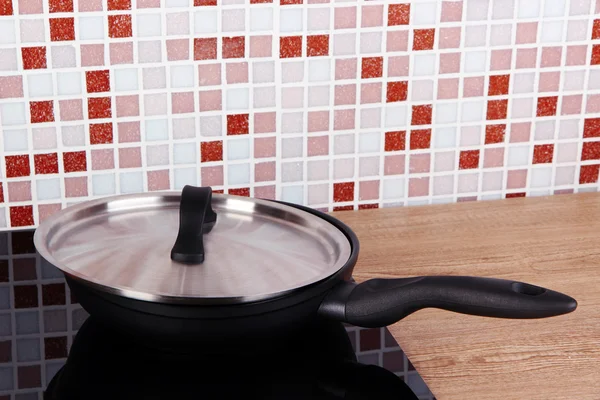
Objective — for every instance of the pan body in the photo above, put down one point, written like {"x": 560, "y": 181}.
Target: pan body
{"x": 247, "y": 323}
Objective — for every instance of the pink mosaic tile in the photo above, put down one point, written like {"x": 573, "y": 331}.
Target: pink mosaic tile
{"x": 71, "y": 110}
{"x": 128, "y": 106}
{"x": 182, "y": 103}
{"x": 130, "y": 157}
{"x": 452, "y": 11}
{"x": 210, "y": 100}
{"x": 237, "y": 72}
{"x": 121, "y": 53}
{"x": 178, "y": 49}
{"x": 102, "y": 159}
{"x": 129, "y": 132}
{"x": 92, "y": 55}
{"x": 158, "y": 180}
{"x": 76, "y": 187}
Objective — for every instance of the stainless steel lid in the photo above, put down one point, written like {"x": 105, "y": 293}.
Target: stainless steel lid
{"x": 256, "y": 250}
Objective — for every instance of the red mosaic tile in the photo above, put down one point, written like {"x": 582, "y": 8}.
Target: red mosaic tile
{"x": 62, "y": 29}
{"x": 24, "y": 269}
{"x": 596, "y": 29}
{"x": 99, "y": 107}
{"x": 421, "y": 115}
{"x": 55, "y": 347}
{"x": 423, "y": 39}
{"x": 543, "y": 153}
{"x": 1, "y": 193}
{"x": 25, "y": 296}
{"x": 595, "y": 55}
{"x": 370, "y": 339}
{"x": 397, "y": 91}
{"x": 205, "y": 48}
{"x": 21, "y": 216}
{"x": 17, "y": 166}
{"x": 5, "y": 351}
{"x": 260, "y": 1}
{"x": 3, "y": 270}
{"x": 211, "y": 151}
{"x": 317, "y": 45}
{"x": 41, "y": 111}
{"x": 394, "y": 361}
{"x": 514, "y": 195}
{"x": 495, "y": 133}
{"x": 74, "y": 161}
{"x": 498, "y": 85}
{"x": 589, "y": 173}
{"x": 34, "y": 57}
{"x": 546, "y": 106}
{"x": 234, "y": 47}
{"x": 29, "y": 376}
{"x": 119, "y": 5}
{"x": 6, "y": 7}
{"x": 119, "y": 26}
{"x": 101, "y": 133}
{"x": 46, "y": 163}
{"x": 238, "y": 124}
{"x": 199, "y": 3}
{"x": 591, "y": 127}
{"x": 290, "y": 46}
{"x": 368, "y": 206}
{"x": 398, "y": 14}
{"x": 395, "y": 141}
{"x": 290, "y": 2}
{"x": 343, "y": 208}
{"x": 589, "y": 151}
{"x": 343, "y": 192}
{"x": 97, "y": 81}
{"x": 245, "y": 192}
{"x": 54, "y": 294}
{"x": 420, "y": 139}
{"x": 57, "y": 6}
{"x": 497, "y": 109}
{"x": 22, "y": 242}
{"x": 469, "y": 159}
{"x": 371, "y": 67}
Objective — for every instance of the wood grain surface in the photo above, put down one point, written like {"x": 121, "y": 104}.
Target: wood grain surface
{"x": 551, "y": 241}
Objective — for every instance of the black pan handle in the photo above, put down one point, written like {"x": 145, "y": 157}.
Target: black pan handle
{"x": 381, "y": 302}
{"x": 196, "y": 217}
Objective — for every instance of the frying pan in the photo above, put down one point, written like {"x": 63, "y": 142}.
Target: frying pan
{"x": 258, "y": 282}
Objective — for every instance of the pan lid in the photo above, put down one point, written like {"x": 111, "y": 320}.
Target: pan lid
{"x": 192, "y": 247}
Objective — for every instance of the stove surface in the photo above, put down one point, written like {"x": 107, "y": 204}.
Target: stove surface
{"x": 51, "y": 349}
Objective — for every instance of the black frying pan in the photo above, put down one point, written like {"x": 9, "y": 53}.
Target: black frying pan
{"x": 374, "y": 303}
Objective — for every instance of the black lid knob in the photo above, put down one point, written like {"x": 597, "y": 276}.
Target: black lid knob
{"x": 196, "y": 217}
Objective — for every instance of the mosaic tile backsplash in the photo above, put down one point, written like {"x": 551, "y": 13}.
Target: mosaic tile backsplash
{"x": 334, "y": 104}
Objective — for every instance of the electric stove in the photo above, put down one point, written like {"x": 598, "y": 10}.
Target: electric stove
{"x": 51, "y": 349}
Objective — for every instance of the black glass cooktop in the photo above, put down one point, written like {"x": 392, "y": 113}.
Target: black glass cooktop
{"x": 51, "y": 349}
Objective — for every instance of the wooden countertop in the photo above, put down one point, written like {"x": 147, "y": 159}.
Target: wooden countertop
{"x": 550, "y": 241}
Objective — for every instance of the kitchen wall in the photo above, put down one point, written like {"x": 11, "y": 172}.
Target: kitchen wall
{"x": 338, "y": 105}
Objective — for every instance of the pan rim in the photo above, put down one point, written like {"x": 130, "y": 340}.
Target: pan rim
{"x": 43, "y": 235}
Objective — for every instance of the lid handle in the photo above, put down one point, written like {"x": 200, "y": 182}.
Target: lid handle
{"x": 196, "y": 217}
